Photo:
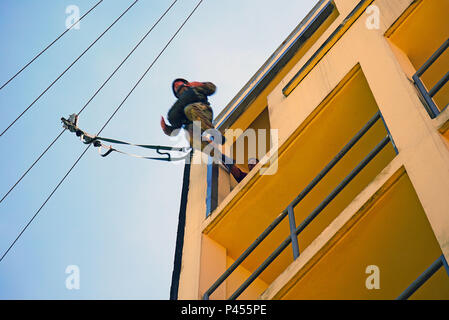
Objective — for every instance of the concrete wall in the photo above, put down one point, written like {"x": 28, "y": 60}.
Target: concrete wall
{"x": 416, "y": 135}
{"x": 421, "y": 141}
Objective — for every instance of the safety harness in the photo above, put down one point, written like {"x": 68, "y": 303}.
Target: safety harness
{"x": 71, "y": 124}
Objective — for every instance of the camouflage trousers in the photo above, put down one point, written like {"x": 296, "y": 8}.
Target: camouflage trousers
{"x": 202, "y": 113}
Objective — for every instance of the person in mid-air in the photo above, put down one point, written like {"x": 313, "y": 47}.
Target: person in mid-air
{"x": 192, "y": 105}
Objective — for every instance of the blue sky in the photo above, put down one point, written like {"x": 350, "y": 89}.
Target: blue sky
{"x": 115, "y": 217}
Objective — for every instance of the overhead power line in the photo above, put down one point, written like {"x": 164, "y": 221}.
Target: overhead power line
{"x": 47, "y": 47}
{"x": 102, "y": 128}
{"x": 68, "y": 68}
{"x": 45, "y": 202}
{"x": 91, "y": 98}
{"x": 31, "y": 167}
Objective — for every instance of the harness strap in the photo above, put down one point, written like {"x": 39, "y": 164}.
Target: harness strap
{"x": 72, "y": 125}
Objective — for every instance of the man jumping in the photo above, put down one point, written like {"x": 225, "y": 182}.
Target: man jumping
{"x": 192, "y": 105}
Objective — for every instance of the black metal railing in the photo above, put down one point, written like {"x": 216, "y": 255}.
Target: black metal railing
{"x": 428, "y": 95}
{"x": 289, "y": 211}
{"x": 441, "y": 261}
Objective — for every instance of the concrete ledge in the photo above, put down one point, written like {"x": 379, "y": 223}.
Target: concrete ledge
{"x": 441, "y": 122}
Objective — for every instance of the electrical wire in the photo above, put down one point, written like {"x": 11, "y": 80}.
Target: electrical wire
{"x": 102, "y": 128}
{"x": 151, "y": 65}
{"x": 91, "y": 98}
{"x": 68, "y": 68}
{"x": 45, "y": 202}
{"x": 31, "y": 167}
{"x": 48, "y": 47}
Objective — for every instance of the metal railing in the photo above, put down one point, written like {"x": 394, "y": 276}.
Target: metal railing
{"x": 431, "y": 107}
{"x": 289, "y": 211}
{"x": 441, "y": 261}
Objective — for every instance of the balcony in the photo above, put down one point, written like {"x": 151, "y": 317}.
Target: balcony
{"x": 345, "y": 143}
{"x": 420, "y": 38}
{"x": 387, "y": 229}
{"x": 423, "y": 279}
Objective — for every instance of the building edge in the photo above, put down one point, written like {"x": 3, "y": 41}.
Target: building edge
{"x": 180, "y": 232}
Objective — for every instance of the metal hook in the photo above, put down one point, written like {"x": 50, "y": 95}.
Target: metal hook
{"x": 164, "y": 153}
{"x": 99, "y": 145}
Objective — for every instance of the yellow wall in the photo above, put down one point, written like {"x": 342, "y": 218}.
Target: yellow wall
{"x": 407, "y": 228}
{"x": 237, "y": 278}
{"x": 191, "y": 254}
{"x": 394, "y": 235}
{"x": 214, "y": 262}
{"x": 262, "y": 121}
{"x": 260, "y": 102}
{"x": 313, "y": 146}
{"x": 415, "y": 134}
{"x": 419, "y": 34}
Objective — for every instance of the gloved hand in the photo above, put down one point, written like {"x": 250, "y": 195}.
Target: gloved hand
{"x": 165, "y": 127}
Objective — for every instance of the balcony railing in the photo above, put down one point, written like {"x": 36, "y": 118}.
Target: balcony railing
{"x": 431, "y": 107}
{"x": 441, "y": 261}
{"x": 294, "y": 229}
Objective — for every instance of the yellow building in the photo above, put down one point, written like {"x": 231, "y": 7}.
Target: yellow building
{"x": 352, "y": 199}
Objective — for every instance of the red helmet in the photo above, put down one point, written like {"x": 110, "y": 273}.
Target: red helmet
{"x": 173, "y": 85}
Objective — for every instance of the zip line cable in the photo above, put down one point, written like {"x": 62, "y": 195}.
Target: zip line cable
{"x": 104, "y": 126}
{"x": 91, "y": 98}
{"x": 68, "y": 68}
{"x": 47, "y": 47}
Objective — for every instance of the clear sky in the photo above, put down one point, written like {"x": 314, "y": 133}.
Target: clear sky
{"x": 116, "y": 217}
